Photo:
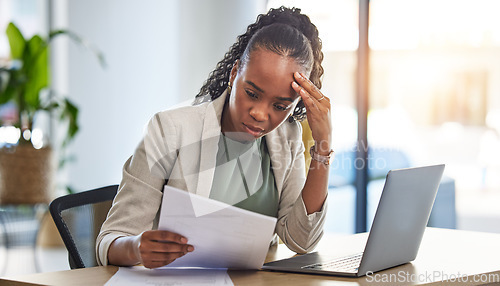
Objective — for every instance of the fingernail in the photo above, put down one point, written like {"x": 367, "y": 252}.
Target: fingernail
{"x": 294, "y": 84}
{"x": 190, "y": 248}
{"x": 184, "y": 240}
{"x": 298, "y": 75}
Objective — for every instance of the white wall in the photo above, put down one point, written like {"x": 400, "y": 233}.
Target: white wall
{"x": 207, "y": 30}
{"x": 158, "y": 53}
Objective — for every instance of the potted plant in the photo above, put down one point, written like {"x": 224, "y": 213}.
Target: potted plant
{"x": 27, "y": 168}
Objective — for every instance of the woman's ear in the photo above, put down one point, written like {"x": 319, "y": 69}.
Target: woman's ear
{"x": 234, "y": 71}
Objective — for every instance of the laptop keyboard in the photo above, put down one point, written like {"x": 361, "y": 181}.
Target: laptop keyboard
{"x": 348, "y": 264}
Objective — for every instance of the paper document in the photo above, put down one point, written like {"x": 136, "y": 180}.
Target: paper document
{"x": 139, "y": 275}
{"x": 223, "y": 236}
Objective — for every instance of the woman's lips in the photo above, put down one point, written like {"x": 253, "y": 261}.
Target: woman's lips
{"x": 253, "y": 130}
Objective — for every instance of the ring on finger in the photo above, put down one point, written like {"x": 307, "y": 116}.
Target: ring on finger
{"x": 322, "y": 97}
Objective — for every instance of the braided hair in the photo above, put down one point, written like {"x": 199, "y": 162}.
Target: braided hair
{"x": 217, "y": 81}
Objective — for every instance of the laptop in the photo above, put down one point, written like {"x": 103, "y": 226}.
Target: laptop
{"x": 397, "y": 229}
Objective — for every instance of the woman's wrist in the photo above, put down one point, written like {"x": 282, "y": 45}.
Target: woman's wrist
{"x": 322, "y": 147}
{"x": 133, "y": 249}
{"x": 325, "y": 159}
{"x": 124, "y": 251}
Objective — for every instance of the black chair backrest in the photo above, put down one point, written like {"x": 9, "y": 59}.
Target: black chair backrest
{"x": 78, "y": 218}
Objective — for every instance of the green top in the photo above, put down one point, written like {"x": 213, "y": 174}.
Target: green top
{"x": 244, "y": 178}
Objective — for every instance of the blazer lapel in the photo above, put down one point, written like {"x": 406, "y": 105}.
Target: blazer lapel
{"x": 209, "y": 145}
{"x": 279, "y": 151}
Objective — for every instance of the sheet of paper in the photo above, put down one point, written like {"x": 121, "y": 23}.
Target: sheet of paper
{"x": 223, "y": 236}
{"x": 139, "y": 275}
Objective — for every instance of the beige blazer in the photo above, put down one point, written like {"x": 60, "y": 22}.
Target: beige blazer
{"x": 180, "y": 148}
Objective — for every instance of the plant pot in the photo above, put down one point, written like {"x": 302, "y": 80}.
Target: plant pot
{"x": 27, "y": 175}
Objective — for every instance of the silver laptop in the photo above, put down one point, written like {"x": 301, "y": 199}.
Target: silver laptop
{"x": 397, "y": 229}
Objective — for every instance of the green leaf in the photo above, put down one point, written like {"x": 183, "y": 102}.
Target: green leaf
{"x": 16, "y": 41}
{"x": 7, "y": 85}
{"x": 66, "y": 159}
{"x": 70, "y": 190}
{"x": 37, "y": 69}
{"x": 50, "y": 107}
{"x": 70, "y": 112}
{"x": 14, "y": 85}
{"x": 8, "y": 94}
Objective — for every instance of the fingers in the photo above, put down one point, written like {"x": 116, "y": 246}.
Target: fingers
{"x": 154, "y": 260}
{"x": 308, "y": 100}
{"x": 305, "y": 88}
{"x": 317, "y": 108}
{"x": 163, "y": 235}
{"x": 158, "y": 248}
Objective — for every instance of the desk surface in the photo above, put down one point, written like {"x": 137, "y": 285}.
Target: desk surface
{"x": 454, "y": 255}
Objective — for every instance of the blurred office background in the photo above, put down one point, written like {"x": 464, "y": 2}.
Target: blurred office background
{"x": 434, "y": 85}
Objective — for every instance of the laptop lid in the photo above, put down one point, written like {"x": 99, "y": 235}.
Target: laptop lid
{"x": 397, "y": 229}
{"x": 401, "y": 217}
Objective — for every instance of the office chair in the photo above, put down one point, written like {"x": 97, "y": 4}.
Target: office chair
{"x": 78, "y": 218}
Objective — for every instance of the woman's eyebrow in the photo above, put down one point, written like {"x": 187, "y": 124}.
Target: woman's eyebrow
{"x": 261, "y": 90}
{"x": 285, "y": 99}
{"x": 255, "y": 86}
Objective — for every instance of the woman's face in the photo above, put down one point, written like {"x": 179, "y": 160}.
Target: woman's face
{"x": 262, "y": 96}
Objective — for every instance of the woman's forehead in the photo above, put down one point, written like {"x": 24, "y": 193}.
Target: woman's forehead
{"x": 270, "y": 64}
{"x": 271, "y": 73}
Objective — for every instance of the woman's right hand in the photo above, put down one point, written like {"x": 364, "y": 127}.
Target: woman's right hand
{"x": 152, "y": 248}
{"x": 156, "y": 248}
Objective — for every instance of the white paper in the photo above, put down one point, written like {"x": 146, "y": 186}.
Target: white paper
{"x": 223, "y": 236}
{"x": 139, "y": 275}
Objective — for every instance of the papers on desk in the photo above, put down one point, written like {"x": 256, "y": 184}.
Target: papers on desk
{"x": 223, "y": 236}
{"x": 139, "y": 275}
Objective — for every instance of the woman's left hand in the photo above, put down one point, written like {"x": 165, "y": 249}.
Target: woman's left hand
{"x": 318, "y": 111}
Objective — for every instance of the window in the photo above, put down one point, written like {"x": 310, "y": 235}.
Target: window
{"x": 433, "y": 95}
{"x": 435, "y": 92}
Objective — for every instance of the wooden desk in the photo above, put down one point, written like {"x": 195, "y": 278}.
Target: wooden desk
{"x": 444, "y": 254}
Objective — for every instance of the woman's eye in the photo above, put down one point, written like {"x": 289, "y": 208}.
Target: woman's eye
{"x": 280, "y": 107}
{"x": 251, "y": 94}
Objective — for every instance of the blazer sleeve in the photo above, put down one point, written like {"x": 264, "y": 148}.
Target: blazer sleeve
{"x": 299, "y": 231}
{"x": 139, "y": 196}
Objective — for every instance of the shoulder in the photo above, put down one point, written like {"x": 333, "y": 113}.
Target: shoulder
{"x": 183, "y": 112}
{"x": 179, "y": 117}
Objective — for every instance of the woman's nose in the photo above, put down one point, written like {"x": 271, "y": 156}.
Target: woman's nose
{"x": 258, "y": 113}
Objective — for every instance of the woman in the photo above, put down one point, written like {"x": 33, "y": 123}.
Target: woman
{"x": 239, "y": 143}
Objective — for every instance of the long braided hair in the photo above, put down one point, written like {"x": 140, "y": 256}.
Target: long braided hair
{"x": 217, "y": 81}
